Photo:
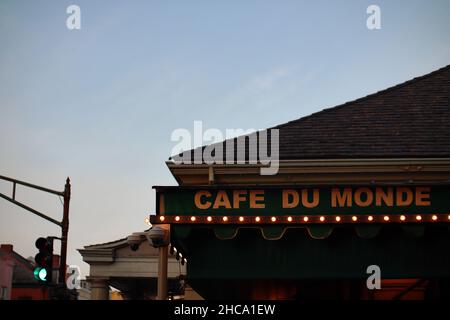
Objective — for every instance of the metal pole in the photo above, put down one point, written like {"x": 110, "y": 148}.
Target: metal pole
{"x": 17, "y": 203}
{"x": 30, "y": 185}
{"x": 64, "y": 233}
{"x": 163, "y": 254}
{"x": 162, "y": 273}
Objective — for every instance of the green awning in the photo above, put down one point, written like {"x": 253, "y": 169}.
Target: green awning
{"x": 400, "y": 252}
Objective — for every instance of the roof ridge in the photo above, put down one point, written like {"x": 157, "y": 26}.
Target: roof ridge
{"x": 109, "y": 242}
{"x": 105, "y": 243}
{"x": 371, "y": 95}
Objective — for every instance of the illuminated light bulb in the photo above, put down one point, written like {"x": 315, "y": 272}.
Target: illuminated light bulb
{"x": 418, "y": 218}
{"x": 289, "y": 219}
{"x": 174, "y": 249}
{"x": 225, "y": 219}
{"x": 177, "y": 218}
{"x": 322, "y": 218}
{"x": 181, "y": 256}
{"x": 338, "y": 219}
{"x": 370, "y": 218}
{"x": 273, "y": 219}
{"x": 192, "y": 218}
{"x": 209, "y": 219}
{"x": 305, "y": 219}
{"x": 241, "y": 219}
{"x": 41, "y": 274}
{"x": 386, "y": 218}
{"x": 434, "y": 217}
{"x": 448, "y": 217}
{"x": 402, "y": 218}
{"x": 354, "y": 218}
{"x": 257, "y": 219}
{"x": 161, "y": 218}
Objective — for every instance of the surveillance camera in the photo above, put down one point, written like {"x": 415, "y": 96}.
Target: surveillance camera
{"x": 135, "y": 240}
{"x": 134, "y": 247}
{"x": 158, "y": 237}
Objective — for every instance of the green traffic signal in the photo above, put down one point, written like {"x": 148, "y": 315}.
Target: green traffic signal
{"x": 44, "y": 260}
{"x": 40, "y": 274}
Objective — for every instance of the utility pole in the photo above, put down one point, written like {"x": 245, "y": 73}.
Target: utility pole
{"x": 64, "y": 224}
{"x": 64, "y": 232}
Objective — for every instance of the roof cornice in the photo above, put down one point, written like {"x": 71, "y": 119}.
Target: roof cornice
{"x": 429, "y": 170}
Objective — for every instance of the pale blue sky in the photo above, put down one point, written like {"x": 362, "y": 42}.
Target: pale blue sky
{"x": 99, "y": 104}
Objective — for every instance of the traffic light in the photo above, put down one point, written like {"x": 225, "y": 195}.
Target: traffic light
{"x": 44, "y": 260}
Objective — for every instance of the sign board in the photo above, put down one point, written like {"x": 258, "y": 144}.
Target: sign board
{"x": 304, "y": 204}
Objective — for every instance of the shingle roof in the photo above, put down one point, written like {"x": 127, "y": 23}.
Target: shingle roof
{"x": 409, "y": 120}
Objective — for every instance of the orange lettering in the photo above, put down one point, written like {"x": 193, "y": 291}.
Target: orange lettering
{"x": 286, "y": 196}
{"x": 198, "y": 200}
{"x": 381, "y": 196}
{"x": 423, "y": 196}
{"x": 315, "y": 201}
{"x": 257, "y": 195}
{"x": 222, "y": 200}
{"x": 237, "y": 198}
{"x": 341, "y": 200}
{"x": 369, "y": 197}
{"x": 401, "y": 192}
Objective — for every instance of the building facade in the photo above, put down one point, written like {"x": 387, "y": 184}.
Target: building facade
{"x": 16, "y": 277}
{"x": 360, "y": 187}
{"x": 361, "y": 194}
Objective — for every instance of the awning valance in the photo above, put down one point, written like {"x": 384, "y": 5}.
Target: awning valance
{"x": 413, "y": 252}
